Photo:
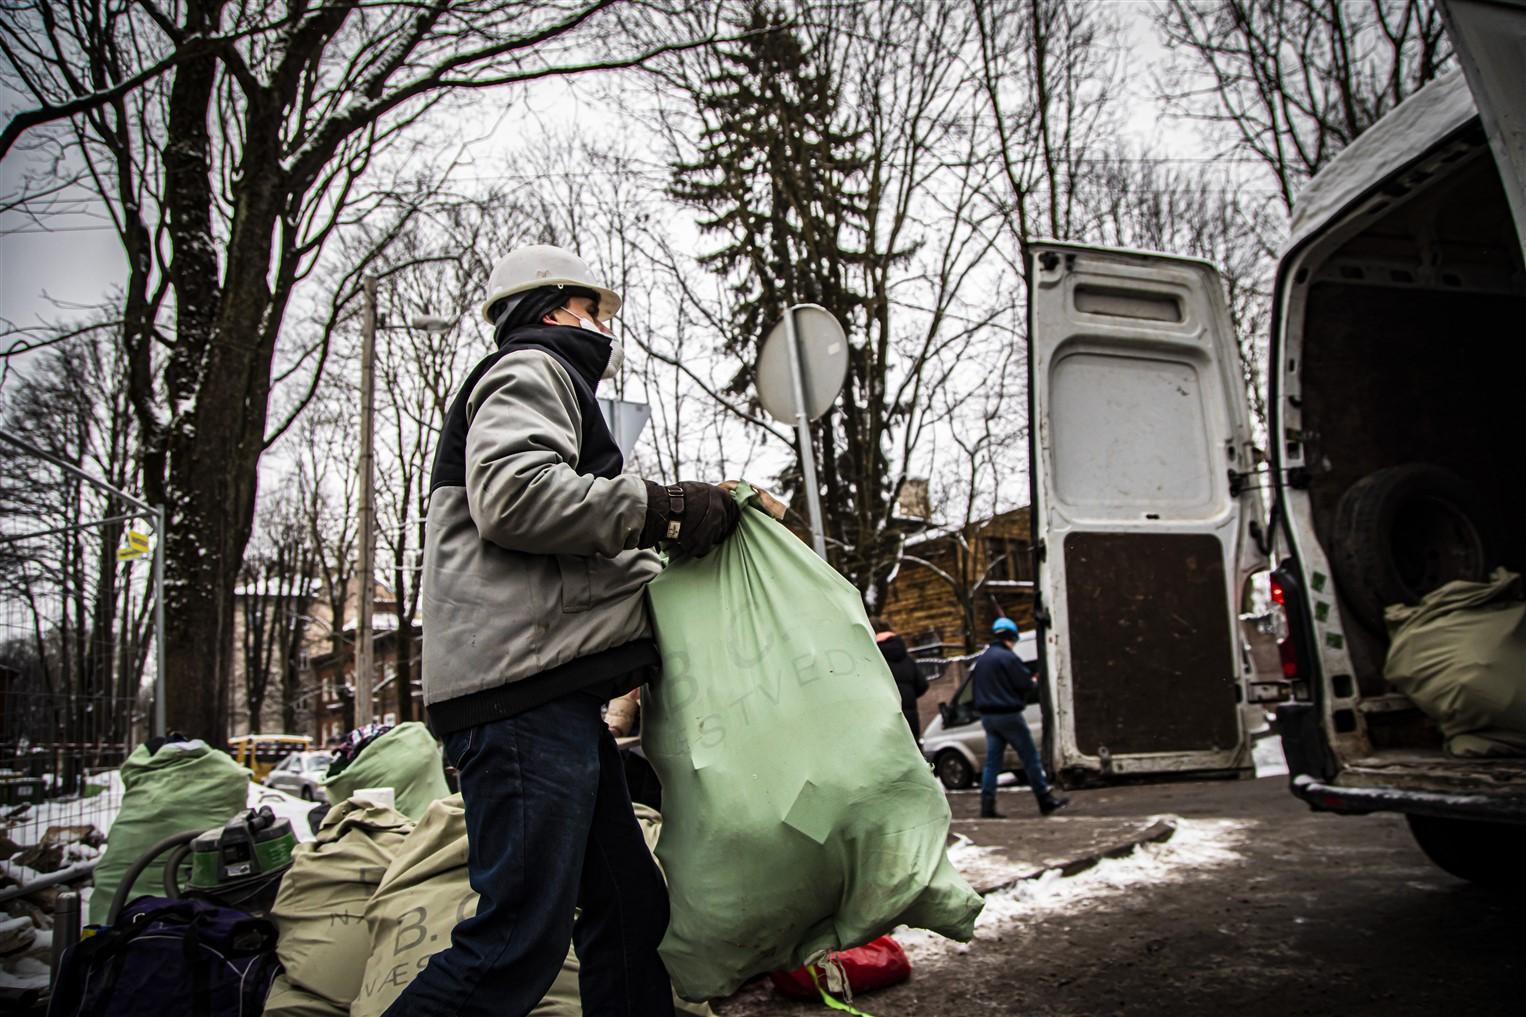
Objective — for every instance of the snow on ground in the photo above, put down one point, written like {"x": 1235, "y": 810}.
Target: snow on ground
{"x": 980, "y": 866}
{"x": 97, "y": 810}
{"x": 1197, "y": 844}
{"x": 285, "y": 806}
{"x": 1268, "y": 757}
{"x": 101, "y": 810}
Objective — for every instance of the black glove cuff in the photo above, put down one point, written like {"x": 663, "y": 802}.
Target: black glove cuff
{"x": 656, "y": 515}
{"x": 675, "y": 512}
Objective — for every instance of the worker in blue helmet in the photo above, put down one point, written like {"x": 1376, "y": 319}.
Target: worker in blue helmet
{"x": 1003, "y": 685}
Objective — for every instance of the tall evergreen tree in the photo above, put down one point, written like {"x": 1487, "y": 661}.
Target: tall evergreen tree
{"x": 780, "y": 173}
{"x": 778, "y": 176}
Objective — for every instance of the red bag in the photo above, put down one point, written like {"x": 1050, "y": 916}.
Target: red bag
{"x": 875, "y": 965}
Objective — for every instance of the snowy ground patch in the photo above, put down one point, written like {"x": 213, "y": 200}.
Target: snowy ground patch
{"x": 1268, "y": 757}
{"x": 980, "y": 866}
{"x": 97, "y": 810}
{"x": 101, "y": 810}
{"x": 285, "y": 806}
{"x": 1197, "y": 844}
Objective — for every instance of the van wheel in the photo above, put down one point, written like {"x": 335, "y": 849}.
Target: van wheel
{"x": 954, "y": 770}
{"x": 1403, "y": 531}
{"x": 1489, "y": 854}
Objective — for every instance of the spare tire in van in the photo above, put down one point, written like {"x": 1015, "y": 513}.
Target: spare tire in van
{"x": 1404, "y": 531}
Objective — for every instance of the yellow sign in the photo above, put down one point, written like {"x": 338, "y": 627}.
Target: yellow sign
{"x": 137, "y": 546}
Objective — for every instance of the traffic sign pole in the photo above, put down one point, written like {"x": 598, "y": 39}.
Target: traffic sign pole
{"x": 803, "y": 435}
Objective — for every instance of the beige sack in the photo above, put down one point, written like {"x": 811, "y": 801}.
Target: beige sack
{"x": 287, "y": 1000}
{"x": 1460, "y": 655}
{"x": 320, "y": 911}
{"x": 421, "y": 898}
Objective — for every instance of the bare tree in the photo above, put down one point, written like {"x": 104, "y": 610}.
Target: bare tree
{"x": 1048, "y": 72}
{"x": 327, "y": 494}
{"x": 278, "y": 584}
{"x": 1295, "y": 81}
{"x": 60, "y": 577}
{"x": 230, "y": 139}
{"x": 971, "y": 477}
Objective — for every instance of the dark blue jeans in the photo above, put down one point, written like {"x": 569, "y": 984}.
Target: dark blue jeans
{"x": 1003, "y": 729}
{"x": 549, "y": 828}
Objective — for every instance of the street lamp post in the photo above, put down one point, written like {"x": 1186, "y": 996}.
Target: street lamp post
{"x": 364, "y": 569}
{"x": 365, "y": 646}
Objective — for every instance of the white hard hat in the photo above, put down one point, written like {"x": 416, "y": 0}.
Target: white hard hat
{"x": 540, "y": 265}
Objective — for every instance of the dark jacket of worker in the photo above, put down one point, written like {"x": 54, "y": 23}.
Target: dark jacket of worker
{"x": 908, "y": 677}
{"x": 1003, "y": 683}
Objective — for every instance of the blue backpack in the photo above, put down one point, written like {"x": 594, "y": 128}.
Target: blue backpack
{"x": 165, "y": 956}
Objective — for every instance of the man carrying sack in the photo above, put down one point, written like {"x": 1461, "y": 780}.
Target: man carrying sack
{"x": 534, "y": 580}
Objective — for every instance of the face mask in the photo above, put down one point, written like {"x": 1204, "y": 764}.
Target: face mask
{"x": 616, "y": 351}
{"x": 589, "y": 325}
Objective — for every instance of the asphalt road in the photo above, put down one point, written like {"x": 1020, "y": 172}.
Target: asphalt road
{"x": 1257, "y": 907}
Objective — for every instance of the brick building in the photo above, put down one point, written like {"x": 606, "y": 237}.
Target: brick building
{"x": 332, "y": 678}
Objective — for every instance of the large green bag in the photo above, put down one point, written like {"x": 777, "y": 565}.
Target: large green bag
{"x": 406, "y": 759}
{"x": 320, "y": 911}
{"x": 183, "y": 786}
{"x": 1460, "y": 655}
{"x": 799, "y": 814}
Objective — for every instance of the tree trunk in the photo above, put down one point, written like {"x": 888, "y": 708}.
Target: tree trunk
{"x": 404, "y": 669}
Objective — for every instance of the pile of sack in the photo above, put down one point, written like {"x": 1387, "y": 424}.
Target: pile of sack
{"x": 776, "y": 860}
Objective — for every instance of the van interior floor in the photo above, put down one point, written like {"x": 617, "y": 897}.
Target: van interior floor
{"x": 1429, "y": 768}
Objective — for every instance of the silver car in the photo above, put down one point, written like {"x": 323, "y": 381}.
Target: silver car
{"x": 955, "y": 741}
{"x": 301, "y": 774}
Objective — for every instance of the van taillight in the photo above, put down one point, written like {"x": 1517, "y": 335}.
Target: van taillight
{"x": 1286, "y": 650}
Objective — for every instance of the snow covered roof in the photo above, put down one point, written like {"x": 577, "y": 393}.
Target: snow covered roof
{"x": 381, "y": 621}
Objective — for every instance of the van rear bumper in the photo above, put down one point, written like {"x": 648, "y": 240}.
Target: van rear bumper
{"x": 1357, "y": 801}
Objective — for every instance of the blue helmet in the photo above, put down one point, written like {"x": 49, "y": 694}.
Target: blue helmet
{"x": 1004, "y": 628}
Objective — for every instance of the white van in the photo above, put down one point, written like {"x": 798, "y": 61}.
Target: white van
{"x": 1397, "y": 385}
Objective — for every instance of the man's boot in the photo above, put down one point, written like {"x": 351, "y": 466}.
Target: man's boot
{"x": 988, "y": 808}
{"x": 1050, "y": 803}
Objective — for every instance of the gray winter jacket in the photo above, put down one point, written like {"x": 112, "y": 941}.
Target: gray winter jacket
{"x": 532, "y": 584}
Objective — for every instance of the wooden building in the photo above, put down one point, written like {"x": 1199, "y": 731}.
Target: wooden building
{"x": 953, "y": 583}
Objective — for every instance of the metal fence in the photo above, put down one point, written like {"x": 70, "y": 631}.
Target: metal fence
{"x": 935, "y": 661}
{"x": 80, "y": 608}
{"x": 54, "y": 772}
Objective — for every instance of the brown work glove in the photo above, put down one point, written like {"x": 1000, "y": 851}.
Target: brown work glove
{"x": 693, "y": 516}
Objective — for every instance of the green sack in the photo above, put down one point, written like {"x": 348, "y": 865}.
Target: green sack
{"x": 1460, "y": 655}
{"x": 406, "y": 759}
{"x": 799, "y": 814}
{"x": 183, "y": 786}
{"x": 320, "y": 911}
{"x": 421, "y": 898}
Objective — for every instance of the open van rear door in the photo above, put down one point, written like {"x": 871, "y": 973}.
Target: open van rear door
{"x": 1489, "y": 37}
{"x": 1143, "y": 502}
